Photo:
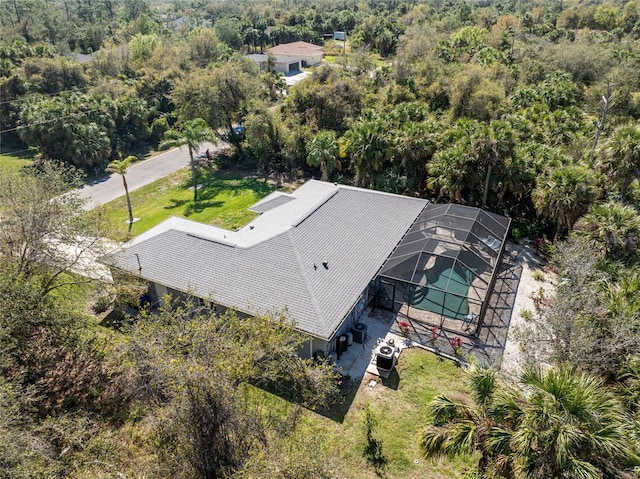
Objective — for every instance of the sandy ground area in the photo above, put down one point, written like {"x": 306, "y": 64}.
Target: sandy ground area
{"x": 531, "y": 260}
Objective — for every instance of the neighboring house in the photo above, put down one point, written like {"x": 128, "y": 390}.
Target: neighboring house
{"x": 281, "y": 63}
{"x": 308, "y": 53}
{"x": 316, "y": 252}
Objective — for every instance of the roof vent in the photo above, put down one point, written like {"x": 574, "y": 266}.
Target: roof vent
{"x": 251, "y": 227}
{"x": 325, "y": 264}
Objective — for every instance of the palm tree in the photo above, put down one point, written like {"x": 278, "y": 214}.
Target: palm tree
{"x": 564, "y": 194}
{"x": 493, "y": 145}
{"x": 192, "y": 134}
{"x": 462, "y": 428}
{"x": 613, "y": 225}
{"x": 415, "y": 146}
{"x": 570, "y": 426}
{"x": 448, "y": 172}
{"x": 323, "y": 152}
{"x": 120, "y": 167}
{"x": 561, "y": 423}
{"x": 453, "y": 169}
{"x": 369, "y": 147}
{"x": 621, "y": 160}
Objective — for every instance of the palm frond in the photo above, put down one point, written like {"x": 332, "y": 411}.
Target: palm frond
{"x": 499, "y": 440}
{"x": 461, "y": 438}
{"x": 582, "y": 470}
{"x": 432, "y": 443}
{"x": 454, "y": 439}
{"x": 444, "y": 410}
{"x": 484, "y": 382}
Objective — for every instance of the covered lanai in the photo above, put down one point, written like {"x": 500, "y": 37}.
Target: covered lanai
{"x": 443, "y": 270}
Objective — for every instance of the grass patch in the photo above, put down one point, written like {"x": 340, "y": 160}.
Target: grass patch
{"x": 538, "y": 275}
{"x": 400, "y": 412}
{"x": 13, "y": 162}
{"x": 401, "y": 415}
{"x": 223, "y": 200}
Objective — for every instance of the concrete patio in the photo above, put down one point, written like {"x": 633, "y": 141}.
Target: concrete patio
{"x": 360, "y": 358}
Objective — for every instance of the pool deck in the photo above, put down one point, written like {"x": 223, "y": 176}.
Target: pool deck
{"x": 487, "y": 347}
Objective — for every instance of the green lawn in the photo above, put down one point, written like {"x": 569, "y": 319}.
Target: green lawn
{"x": 401, "y": 408}
{"x": 13, "y": 162}
{"x": 222, "y": 201}
{"x": 402, "y": 414}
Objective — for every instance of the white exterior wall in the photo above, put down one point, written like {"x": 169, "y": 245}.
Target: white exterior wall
{"x": 282, "y": 67}
{"x": 313, "y": 59}
{"x": 321, "y": 345}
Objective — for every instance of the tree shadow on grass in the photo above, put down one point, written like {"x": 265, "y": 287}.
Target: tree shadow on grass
{"x": 176, "y": 203}
{"x": 375, "y": 457}
{"x": 339, "y": 408}
{"x": 373, "y": 450}
{"x": 214, "y": 182}
{"x": 201, "y": 206}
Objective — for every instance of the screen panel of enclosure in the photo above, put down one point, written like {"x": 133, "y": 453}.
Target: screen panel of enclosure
{"x": 443, "y": 269}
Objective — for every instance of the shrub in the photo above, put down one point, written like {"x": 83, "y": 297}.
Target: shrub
{"x": 526, "y": 314}
{"x": 102, "y": 304}
{"x": 538, "y": 275}
{"x": 405, "y": 327}
{"x": 456, "y": 344}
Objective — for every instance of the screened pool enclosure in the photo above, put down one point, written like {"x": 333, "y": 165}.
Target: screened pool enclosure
{"x": 443, "y": 270}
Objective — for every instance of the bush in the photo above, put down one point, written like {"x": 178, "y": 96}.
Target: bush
{"x": 538, "y": 275}
{"x": 526, "y": 314}
{"x": 102, "y": 304}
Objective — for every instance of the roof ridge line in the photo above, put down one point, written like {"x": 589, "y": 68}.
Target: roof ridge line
{"x": 314, "y": 301}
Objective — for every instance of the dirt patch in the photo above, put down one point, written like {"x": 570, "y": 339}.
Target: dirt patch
{"x": 534, "y": 276}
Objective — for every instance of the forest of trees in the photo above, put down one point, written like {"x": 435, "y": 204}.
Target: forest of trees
{"x": 527, "y": 109}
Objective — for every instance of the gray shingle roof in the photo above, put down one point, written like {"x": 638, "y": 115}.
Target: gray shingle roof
{"x": 271, "y": 201}
{"x": 352, "y": 229}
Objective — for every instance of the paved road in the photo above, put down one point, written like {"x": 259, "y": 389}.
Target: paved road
{"x": 110, "y": 187}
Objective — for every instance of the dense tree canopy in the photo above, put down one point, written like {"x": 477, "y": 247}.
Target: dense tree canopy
{"x": 526, "y": 109}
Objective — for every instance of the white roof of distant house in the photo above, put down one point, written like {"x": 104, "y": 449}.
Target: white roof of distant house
{"x": 295, "y": 48}
{"x": 276, "y": 261}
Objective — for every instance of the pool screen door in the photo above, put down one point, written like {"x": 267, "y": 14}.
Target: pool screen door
{"x": 386, "y": 294}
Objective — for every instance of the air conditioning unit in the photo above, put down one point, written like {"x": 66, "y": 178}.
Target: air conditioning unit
{"x": 385, "y": 357}
{"x": 359, "y": 331}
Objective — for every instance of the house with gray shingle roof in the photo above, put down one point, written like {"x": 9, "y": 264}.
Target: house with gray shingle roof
{"x": 314, "y": 252}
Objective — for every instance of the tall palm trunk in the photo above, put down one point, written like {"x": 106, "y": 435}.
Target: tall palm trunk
{"x": 195, "y": 179}
{"x": 358, "y": 178}
{"x": 325, "y": 171}
{"x": 486, "y": 187}
{"x": 126, "y": 193}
